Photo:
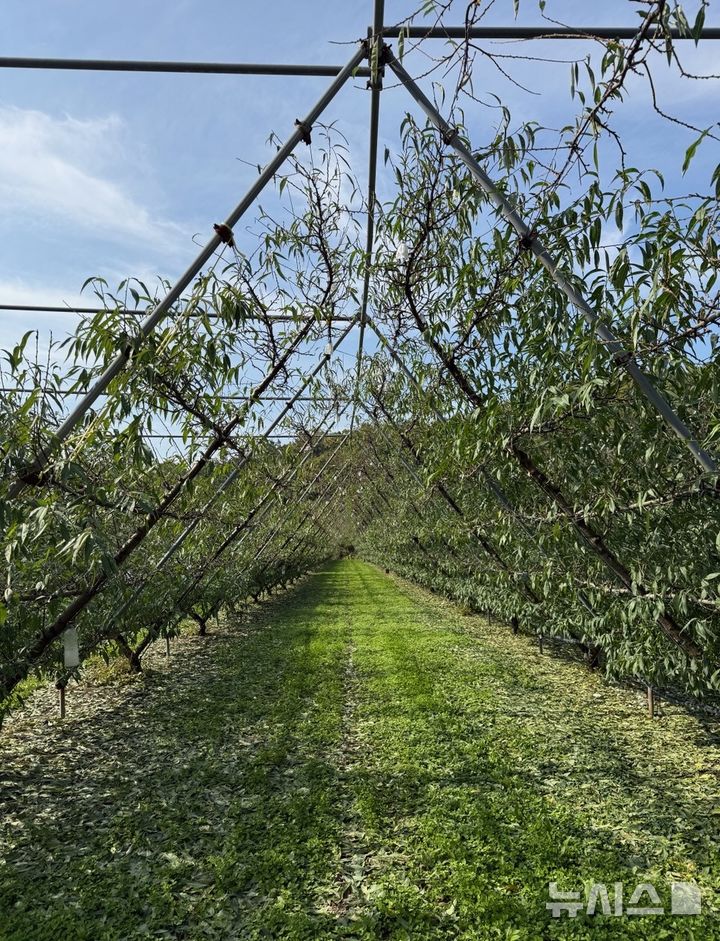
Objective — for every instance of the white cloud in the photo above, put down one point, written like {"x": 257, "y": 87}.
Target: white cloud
{"x": 18, "y": 291}
{"x": 63, "y": 168}
{"x": 13, "y": 324}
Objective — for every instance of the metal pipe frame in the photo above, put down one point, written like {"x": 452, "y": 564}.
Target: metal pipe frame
{"x": 315, "y": 520}
{"x": 294, "y": 533}
{"x": 254, "y": 437}
{"x": 536, "y": 32}
{"x": 283, "y": 481}
{"x": 235, "y": 473}
{"x": 196, "y": 581}
{"x": 241, "y": 530}
{"x": 192, "y": 68}
{"x": 377, "y": 69}
{"x": 276, "y": 529}
{"x": 189, "y": 529}
{"x": 160, "y": 312}
{"x": 528, "y": 236}
{"x": 216, "y": 443}
{"x": 60, "y": 309}
{"x": 389, "y": 32}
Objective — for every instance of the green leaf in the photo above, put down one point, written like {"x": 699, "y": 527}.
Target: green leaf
{"x": 692, "y": 150}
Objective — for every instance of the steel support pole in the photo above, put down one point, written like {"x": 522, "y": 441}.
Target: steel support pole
{"x": 193, "y": 68}
{"x": 376, "y": 78}
{"x": 537, "y": 32}
{"x": 161, "y": 310}
{"x": 498, "y": 199}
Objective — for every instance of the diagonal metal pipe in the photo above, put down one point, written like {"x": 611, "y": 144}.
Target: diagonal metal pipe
{"x": 234, "y": 474}
{"x": 161, "y": 310}
{"x": 534, "y": 244}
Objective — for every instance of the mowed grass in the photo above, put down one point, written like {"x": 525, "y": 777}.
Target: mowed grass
{"x": 359, "y": 760}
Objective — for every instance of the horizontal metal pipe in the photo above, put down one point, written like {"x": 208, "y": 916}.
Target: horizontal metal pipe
{"x": 222, "y": 398}
{"x": 60, "y": 309}
{"x": 194, "y": 68}
{"x": 534, "y": 32}
{"x": 258, "y": 437}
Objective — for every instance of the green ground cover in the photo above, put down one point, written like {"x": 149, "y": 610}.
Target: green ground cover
{"x": 360, "y": 760}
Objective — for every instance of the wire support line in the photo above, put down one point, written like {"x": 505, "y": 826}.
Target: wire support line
{"x": 235, "y": 397}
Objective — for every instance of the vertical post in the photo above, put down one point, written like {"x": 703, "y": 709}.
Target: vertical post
{"x": 540, "y": 643}
{"x": 376, "y": 50}
{"x": 651, "y": 702}
{"x": 167, "y": 645}
{"x": 61, "y": 697}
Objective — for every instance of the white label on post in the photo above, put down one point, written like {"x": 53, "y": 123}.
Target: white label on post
{"x": 70, "y": 648}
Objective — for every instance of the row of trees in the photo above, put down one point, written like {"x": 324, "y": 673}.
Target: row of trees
{"x": 499, "y": 450}
{"x": 196, "y": 480}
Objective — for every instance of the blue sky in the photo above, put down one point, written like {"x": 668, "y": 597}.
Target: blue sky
{"x": 112, "y": 174}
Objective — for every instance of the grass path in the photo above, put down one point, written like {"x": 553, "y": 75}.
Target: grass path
{"x": 357, "y": 761}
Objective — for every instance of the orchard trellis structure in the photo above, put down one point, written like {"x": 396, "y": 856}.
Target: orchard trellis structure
{"x": 381, "y": 465}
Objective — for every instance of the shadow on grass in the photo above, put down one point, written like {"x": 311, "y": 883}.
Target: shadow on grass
{"x": 218, "y": 799}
